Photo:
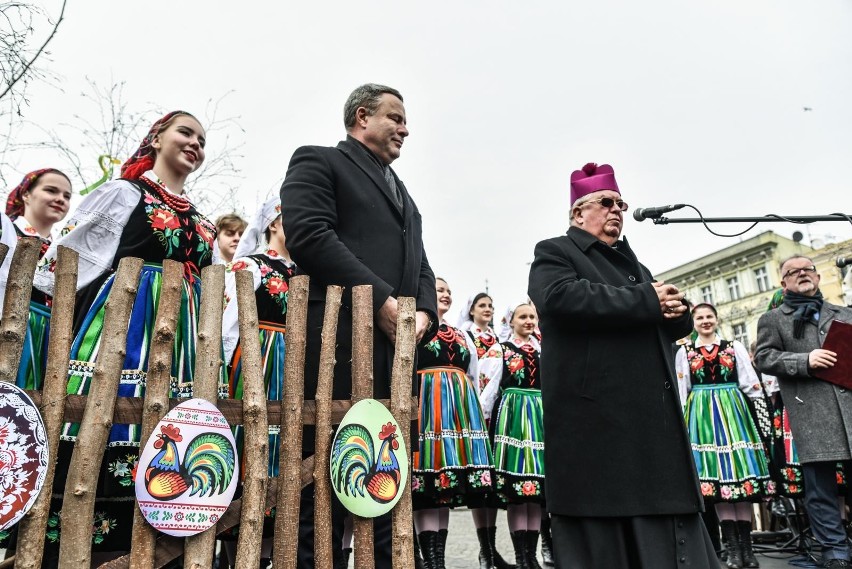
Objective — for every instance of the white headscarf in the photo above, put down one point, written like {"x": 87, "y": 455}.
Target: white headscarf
{"x": 252, "y": 239}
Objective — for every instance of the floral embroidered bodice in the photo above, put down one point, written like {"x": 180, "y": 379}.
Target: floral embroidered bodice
{"x": 712, "y": 364}
{"x": 521, "y": 365}
{"x": 448, "y": 348}
{"x": 271, "y": 294}
{"x": 482, "y": 340}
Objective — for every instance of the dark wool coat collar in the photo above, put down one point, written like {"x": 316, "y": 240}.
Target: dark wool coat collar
{"x": 584, "y": 239}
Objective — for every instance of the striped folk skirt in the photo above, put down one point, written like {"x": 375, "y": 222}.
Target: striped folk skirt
{"x": 726, "y": 446}
{"x": 114, "y": 501}
{"x": 272, "y": 352}
{"x": 519, "y": 446}
{"x": 453, "y": 463}
{"x": 34, "y": 354}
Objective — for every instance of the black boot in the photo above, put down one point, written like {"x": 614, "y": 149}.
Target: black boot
{"x": 429, "y": 548}
{"x": 532, "y": 549}
{"x": 744, "y": 532}
{"x": 499, "y": 562}
{"x": 342, "y": 561}
{"x": 486, "y": 556}
{"x": 418, "y": 559}
{"x": 519, "y": 541}
{"x": 735, "y": 556}
{"x": 546, "y": 542}
{"x": 442, "y": 548}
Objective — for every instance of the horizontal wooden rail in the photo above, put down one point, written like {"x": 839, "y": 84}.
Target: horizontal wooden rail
{"x": 128, "y": 410}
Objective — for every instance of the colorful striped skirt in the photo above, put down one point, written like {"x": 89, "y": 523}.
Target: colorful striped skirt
{"x": 453, "y": 463}
{"x": 272, "y": 351}
{"x": 114, "y": 501}
{"x": 519, "y": 446}
{"x": 34, "y": 354}
{"x": 726, "y": 446}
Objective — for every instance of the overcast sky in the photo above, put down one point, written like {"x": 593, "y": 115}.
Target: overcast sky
{"x": 696, "y": 102}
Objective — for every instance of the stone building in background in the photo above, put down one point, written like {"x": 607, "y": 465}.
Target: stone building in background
{"x": 740, "y": 280}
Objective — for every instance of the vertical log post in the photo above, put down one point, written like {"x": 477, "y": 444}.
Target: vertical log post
{"x": 198, "y": 549}
{"x": 286, "y": 541}
{"x": 75, "y": 544}
{"x": 32, "y": 527}
{"x": 403, "y": 370}
{"x": 16, "y": 307}
{"x": 323, "y": 557}
{"x": 4, "y": 250}
{"x": 157, "y": 390}
{"x": 255, "y": 425}
{"x": 362, "y": 388}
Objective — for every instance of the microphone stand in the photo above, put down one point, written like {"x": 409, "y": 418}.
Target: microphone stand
{"x": 662, "y": 220}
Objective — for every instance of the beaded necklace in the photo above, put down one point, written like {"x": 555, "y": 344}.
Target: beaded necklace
{"x": 176, "y": 202}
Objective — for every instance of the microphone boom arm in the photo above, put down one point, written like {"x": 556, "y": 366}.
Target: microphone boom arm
{"x": 763, "y": 219}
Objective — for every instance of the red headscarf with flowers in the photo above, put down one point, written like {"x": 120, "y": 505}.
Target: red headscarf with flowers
{"x": 15, "y": 201}
{"x": 143, "y": 159}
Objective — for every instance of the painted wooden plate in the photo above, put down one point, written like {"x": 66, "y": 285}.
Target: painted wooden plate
{"x": 23, "y": 454}
{"x": 369, "y": 461}
{"x": 187, "y": 473}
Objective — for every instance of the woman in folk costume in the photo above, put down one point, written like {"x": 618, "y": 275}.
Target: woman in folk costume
{"x": 271, "y": 271}
{"x": 453, "y": 464}
{"x": 733, "y": 469}
{"x": 144, "y": 214}
{"x": 475, "y": 319}
{"x": 39, "y": 202}
{"x": 514, "y": 382}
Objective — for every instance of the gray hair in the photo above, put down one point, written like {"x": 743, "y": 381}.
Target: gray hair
{"x": 790, "y": 258}
{"x": 368, "y": 96}
{"x": 580, "y": 201}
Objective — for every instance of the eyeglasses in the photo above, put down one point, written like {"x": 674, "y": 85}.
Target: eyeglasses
{"x": 795, "y": 272}
{"x": 607, "y": 203}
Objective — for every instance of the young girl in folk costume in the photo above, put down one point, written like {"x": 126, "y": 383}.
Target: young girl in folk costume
{"x": 476, "y": 321}
{"x": 144, "y": 214}
{"x": 732, "y": 465}
{"x": 39, "y": 202}
{"x": 514, "y": 388}
{"x": 453, "y": 464}
{"x": 271, "y": 270}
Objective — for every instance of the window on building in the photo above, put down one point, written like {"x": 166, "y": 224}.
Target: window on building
{"x": 707, "y": 294}
{"x": 762, "y": 278}
{"x": 733, "y": 288}
{"x": 741, "y": 334}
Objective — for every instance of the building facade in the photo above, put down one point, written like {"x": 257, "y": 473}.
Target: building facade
{"x": 740, "y": 280}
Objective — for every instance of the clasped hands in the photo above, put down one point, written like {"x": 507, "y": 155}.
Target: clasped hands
{"x": 671, "y": 300}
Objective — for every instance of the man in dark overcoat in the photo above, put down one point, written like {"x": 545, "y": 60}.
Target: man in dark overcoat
{"x": 350, "y": 221}
{"x": 789, "y": 346}
{"x": 621, "y": 486}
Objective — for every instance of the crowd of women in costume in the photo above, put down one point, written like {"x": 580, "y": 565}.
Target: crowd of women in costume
{"x": 481, "y": 442}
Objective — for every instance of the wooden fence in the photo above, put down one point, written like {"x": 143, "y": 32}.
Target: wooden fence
{"x": 101, "y": 408}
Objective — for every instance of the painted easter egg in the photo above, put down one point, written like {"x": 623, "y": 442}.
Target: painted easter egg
{"x": 369, "y": 461}
{"x": 187, "y": 473}
{"x": 23, "y": 454}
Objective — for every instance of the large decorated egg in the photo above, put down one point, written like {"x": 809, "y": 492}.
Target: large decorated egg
{"x": 369, "y": 462}
{"x": 23, "y": 454}
{"x": 187, "y": 473}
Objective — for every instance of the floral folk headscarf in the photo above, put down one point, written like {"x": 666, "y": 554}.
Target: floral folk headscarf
{"x": 143, "y": 159}
{"x": 15, "y": 200}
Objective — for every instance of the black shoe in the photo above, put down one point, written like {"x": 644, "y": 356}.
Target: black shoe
{"x": 486, "y": 556}
{"x": 744, "y": 534}
{"x": 429, "y": 548}
{"x": 499, "y": 562}
{"x": 442, "y": 548}
{"x": 519, "y": 541}
{"x": 729, "y": 533}
{"x": 532, "y": 550}
{"x": 546, "y": 542}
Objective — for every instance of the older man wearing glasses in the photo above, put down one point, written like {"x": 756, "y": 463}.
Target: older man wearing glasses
{"x": 789, "y": 340}
{"x": 621, "y": 483}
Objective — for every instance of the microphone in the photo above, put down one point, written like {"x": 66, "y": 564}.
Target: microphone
{"x": 643, "y": 213}
{"x": 842, "y": 262}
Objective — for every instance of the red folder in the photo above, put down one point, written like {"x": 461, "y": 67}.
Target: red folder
{"x": 839, "y": 341}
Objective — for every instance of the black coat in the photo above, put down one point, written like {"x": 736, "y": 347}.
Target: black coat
{"x": 345, "y": 228}
{"x": 615, "y": 439}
